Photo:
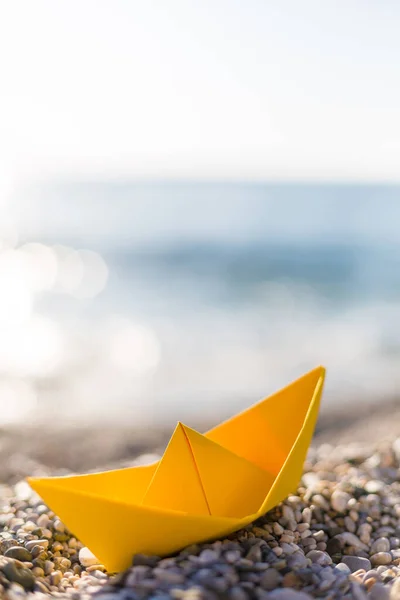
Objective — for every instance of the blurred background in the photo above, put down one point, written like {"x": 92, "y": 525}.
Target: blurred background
{"x": 199, "y": 202}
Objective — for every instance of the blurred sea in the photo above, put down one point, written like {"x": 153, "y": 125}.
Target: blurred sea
{"x": 151, "y": 302}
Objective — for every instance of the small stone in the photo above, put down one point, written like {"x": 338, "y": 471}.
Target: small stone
{"x": 208, "y": 556}
{"x": 43, "y": 521}
{"x": 288, "y": 513}
{"x": 32, "y": 543}
{"x": 168, "y": 576}
{"x": 288, "y": 548}
{"x": 59, "y": 526}
{"x": 339, "y": 500}
{"x": 288, "y": 594}
{"x": 56, "y": 577}
{"x": 380, "y": 545}
{"x": 319, "y": 558}
{"x": 48, "y": 567}
{"x": 356, "y": 562}
{"x": 306, "y": 515}
{"x": 19, "y": 575}
{"x": 19, "y": 553}
{"x": 270, "y": 579}
{"x": 357, "y": 592}
{"x": 291, "y": 580}
{"x": 395, "y": 590}
{"x": 254, "y": 554}
{"x": 351, "y": 539}
{"x": 278, "y": 529}
{"x": 374, "y": 486}
{"x": 350, "y": 524}
{"x": 378, "y": 591}
{"x": 343, "y": 568}
{"x": 333, "y": 547}
{"x": 232, "y": 556}
{"x": 87, "y": 558}
{"x": 297, "y": 561}
{"x": 381, "y": 558}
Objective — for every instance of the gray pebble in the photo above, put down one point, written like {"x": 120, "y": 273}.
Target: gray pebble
{"x": 379, "y": 592}
{"x": 237, "y": 593}
{"x": 319, "y": 557}
{"x": 19, "y": 553}
{"x": 31, "y": 544}
{"x": 297, "y": 561}
{"x": 19, "y": 575}
{"x": 288, "y": 594}
{"x": 208, "y": 556}
{"x": 270, "y": 579}
{"x": 356, "y": 562}
{"x": 382, "y": 544}
{"x": 350, "y": 539}
{"x": 343, "y": 568}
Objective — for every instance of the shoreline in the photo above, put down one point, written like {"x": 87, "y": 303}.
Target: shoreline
{"x": 24, "y": 450}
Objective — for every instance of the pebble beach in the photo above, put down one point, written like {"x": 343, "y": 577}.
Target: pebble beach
{"x": 337, "y": 536}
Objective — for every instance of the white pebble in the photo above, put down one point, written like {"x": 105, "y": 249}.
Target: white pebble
{"x": 339, "y": 500}
{"x": 86, "y": 558}
{"x": 374, "y": 486}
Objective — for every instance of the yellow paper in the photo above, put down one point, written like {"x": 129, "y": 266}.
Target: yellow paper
{"x": 204, "y": 486}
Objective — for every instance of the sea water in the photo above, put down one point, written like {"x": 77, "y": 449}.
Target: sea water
{"x": 215, "y": 294}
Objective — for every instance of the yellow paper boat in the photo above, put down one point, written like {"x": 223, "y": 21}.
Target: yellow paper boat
{"x": 204, "y": 486}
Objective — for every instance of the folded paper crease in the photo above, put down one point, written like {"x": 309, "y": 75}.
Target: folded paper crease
{"x": 203, "y": 487}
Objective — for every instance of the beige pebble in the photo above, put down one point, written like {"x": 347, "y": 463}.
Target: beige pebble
{"x": 56, "y": 577}
{"x": 381, "y": 558}
{"x": 59, "y": 526}
{"x": 43, "y": 521}
{"x": 95, "y": 568}
{"x": 48, "y": 567}
{"x": 306, "y": 514}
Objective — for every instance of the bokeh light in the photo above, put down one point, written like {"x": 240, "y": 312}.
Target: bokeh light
{"x": 133, "y": 347}
{"x": 41, "y": 266}
{"x": 18, "y": 400}
{"x": 81, "y": 273}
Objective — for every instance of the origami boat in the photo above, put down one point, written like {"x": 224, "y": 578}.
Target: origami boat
{"x": 204, "y": 486}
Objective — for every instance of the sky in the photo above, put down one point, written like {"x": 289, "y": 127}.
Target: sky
{"x": 200, "y": 89}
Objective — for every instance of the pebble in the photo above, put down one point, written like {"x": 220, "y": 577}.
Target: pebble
{"x": 336, "y": 537}
{"x": 339, "y": 500}
{"x": 356, "y": 563}
{"x": 374, "y": 486}
{"x": 31, "y": 544}
{"x": 288, "y": 594}
{"x": 87, "y": 558}
{"x": 343, "y": 568}
{"x": 270, "y": 579}
{"x": 19, "y": 553}
{"x": 320, "y": 558}
{"x": 380, "y": 545}
{"x": 17, "y": 574}
{"x": 351, "y": 539}
{"x": 379, "y": 592}
{"x": 381, "y": 558}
